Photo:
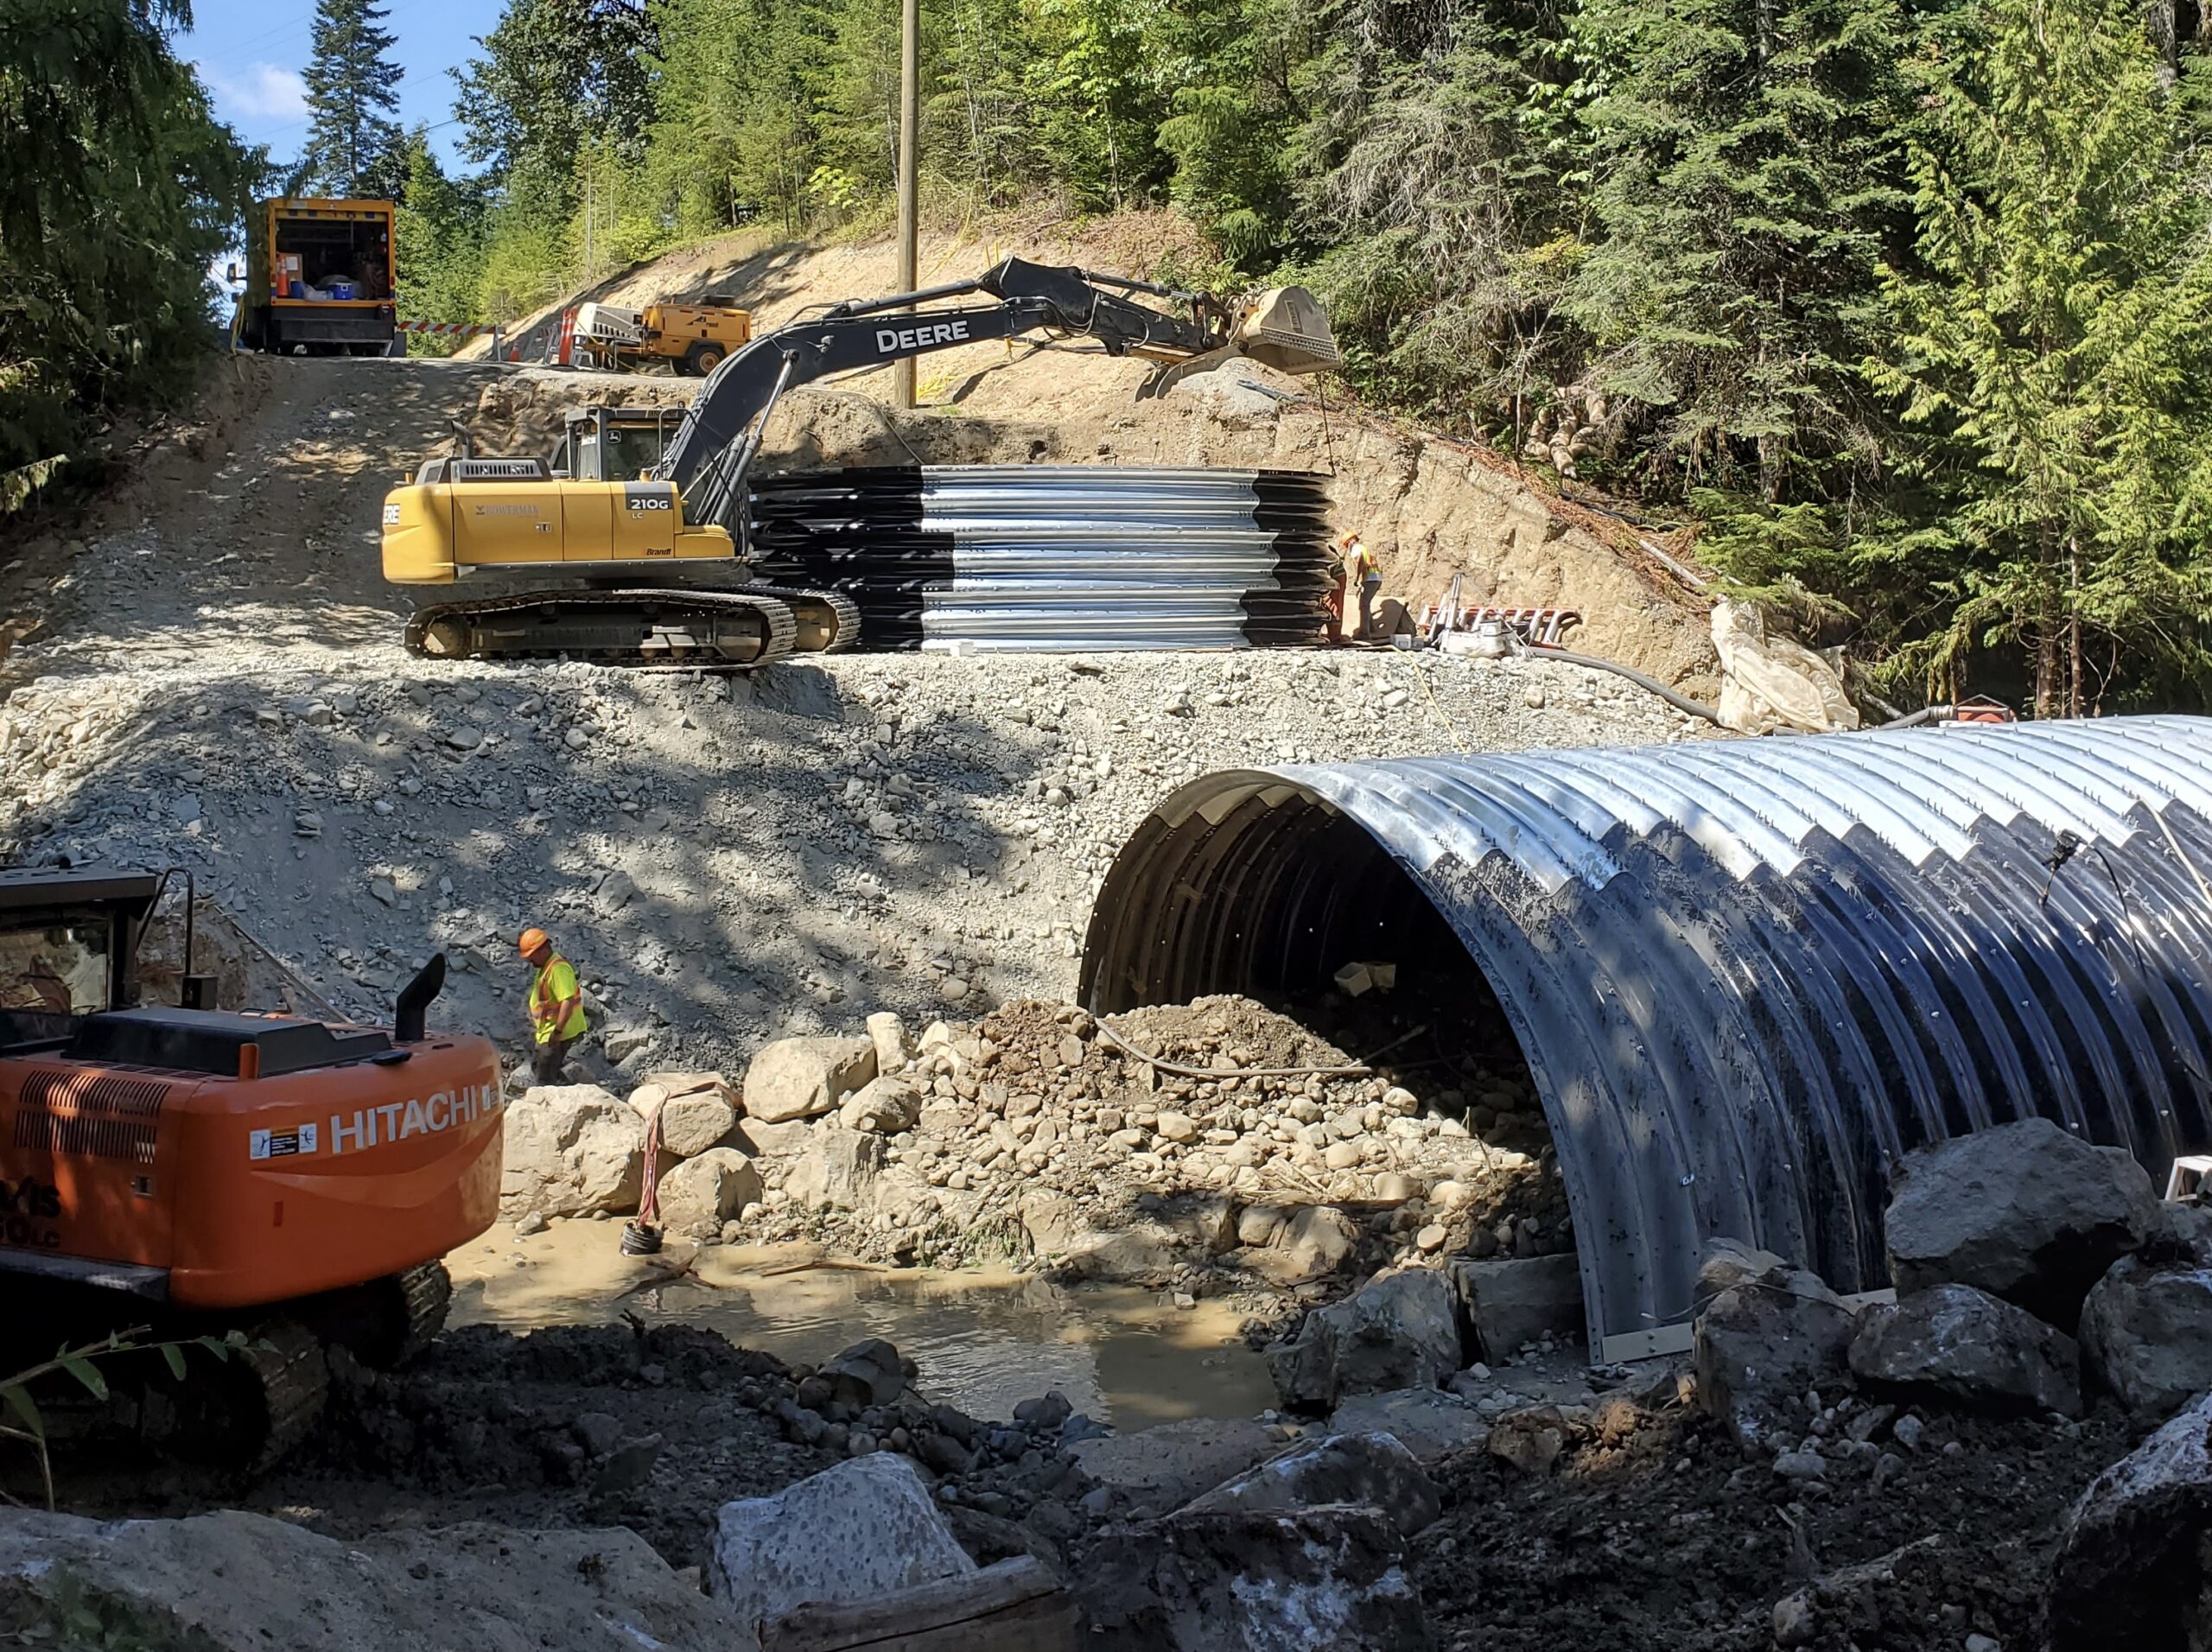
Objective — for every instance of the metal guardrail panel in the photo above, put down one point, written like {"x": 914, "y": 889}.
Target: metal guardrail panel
{"x": 1746, "y": 975}
{"x": 1069, "y": 556}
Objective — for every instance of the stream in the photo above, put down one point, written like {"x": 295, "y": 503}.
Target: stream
{"x": 984, "y": 1340}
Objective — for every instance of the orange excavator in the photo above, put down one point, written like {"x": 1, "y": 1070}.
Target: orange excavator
{"x": 194, "y": 1171}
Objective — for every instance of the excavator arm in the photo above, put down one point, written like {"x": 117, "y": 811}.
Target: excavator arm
{"x": 713, "y": 449}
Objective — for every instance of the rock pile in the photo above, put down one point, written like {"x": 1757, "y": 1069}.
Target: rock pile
{"x": 2001, "y": 1242}
{"x": 1146, "y": 1149}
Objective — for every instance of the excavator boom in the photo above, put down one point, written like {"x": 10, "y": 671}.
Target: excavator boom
{"x": 711, "y": 450}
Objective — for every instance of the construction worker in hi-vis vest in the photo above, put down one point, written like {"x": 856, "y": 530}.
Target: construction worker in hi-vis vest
{"x": 557, "y": 1006}
{"x": 1363, "y": 581}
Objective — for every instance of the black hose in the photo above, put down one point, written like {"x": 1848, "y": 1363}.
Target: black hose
{"x": 638, "y": 1240}
{"x": 1915, "y": 719}
{"x": 1679, "y": 702}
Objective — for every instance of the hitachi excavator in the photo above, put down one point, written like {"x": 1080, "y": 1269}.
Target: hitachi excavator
{"x": 277, "y": 1184}
{"x": 630, "y": 551}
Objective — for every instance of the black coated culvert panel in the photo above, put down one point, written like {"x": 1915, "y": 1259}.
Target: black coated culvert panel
{"x": 1057, "y": 556}
{"x": 1746, "y": 975}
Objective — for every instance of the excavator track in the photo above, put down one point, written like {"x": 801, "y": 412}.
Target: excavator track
{"x": 425, "y": 1294}
{"x": 290, "y": 1384}
{"x": 246, "y": 1412}
{"x": 829, "y": 622}
{"x": 724, "y": 629}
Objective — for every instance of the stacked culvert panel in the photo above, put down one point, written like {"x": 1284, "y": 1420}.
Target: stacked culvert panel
{"x": 1058, "y": 557}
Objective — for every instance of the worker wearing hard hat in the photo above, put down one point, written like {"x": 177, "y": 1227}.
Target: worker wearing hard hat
{"x": 1363, "y": 581}
{"x": 557, "y": 1005}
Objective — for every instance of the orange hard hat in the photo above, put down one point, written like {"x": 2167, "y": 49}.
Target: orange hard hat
{"x": 1349, "y": 540}
{"x": 530, "y": 939}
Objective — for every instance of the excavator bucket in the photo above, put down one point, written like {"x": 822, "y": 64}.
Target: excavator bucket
{"x": 1286, "y": 329}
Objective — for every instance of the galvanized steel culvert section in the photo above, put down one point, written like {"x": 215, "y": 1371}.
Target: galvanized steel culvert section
{"x": 1745, "y": 975}
{"x": 1058, "y": 557}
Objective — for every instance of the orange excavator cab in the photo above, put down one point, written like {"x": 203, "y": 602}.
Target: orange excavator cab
{"x": 201, "y": 1171}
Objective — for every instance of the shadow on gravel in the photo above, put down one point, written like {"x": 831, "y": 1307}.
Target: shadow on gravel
{"x": 731, "y": 861}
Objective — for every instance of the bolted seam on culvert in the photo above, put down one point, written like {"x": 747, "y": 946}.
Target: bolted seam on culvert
{"x": 1745, "y": 975}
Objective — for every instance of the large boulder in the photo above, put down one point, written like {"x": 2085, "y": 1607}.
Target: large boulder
{"x": 699, "y": 1195}
{"x": 1760, "y": 1344}
{"x": 1130, "y": 1248}
{"x": 1520, "y": 1299}
{"x": 1375, "y": 1470}
{"x": 761, "y": 1139}
{"x": 836, "y": 1171}
{"x": 1723, "y": 1262}
{"x": 234, "y": 1582}
{"x": 798, "y": 1078}
{"x": 1431, "y": 1423}
{"x": 1955, "y": 1343}
{"x": 867, "y": 1374}
{"x": 1398, "y": 1331}
{"x": 888, "y": 1033}
{"x": 2131, "y": 1570}
{"x": 2147, "y": 1332}
{"x": 1243, "y": 1580}
{"x": 1163, "y": 1467}
{"x": 2025, "y": 1211}
{"x": 696, "y": 1109}
{"x": 571, "y": 1149}
{"x": 884, "y": 1106}
{"x": 1311, "y": 1243}
{"x": 862, "y": 1529}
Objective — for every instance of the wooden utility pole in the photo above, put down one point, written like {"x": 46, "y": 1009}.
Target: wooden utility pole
{"x": 910, "y": 132}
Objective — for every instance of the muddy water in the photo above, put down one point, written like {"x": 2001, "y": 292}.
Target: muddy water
{"x": 983, "y": 1340}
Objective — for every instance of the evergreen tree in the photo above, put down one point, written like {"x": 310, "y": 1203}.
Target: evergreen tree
{"x": 1429, "y": 176}
{"x": 2057, "y": 355}
{"x": 118, "y": 187}
{"x": 438, "y": 245}
{"x": 977, "y": 132}
{"x": 1747, "y": 173}
{"x": 354, "y": 147}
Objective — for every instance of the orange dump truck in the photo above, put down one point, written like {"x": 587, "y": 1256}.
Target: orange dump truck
{"x": 319, "y": 278}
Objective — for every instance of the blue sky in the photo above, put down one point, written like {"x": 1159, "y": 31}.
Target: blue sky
{"x": 251, "y": 56}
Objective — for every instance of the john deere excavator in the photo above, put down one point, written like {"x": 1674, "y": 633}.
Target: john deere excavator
{"x": 600, "y": 557}
{"x": 191, "y": 1173}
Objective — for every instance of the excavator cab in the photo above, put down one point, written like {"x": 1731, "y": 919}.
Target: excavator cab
{"x": 202, "y": 1171}
{"x": 66, "y": 945}
{"x": 615, "y": 444}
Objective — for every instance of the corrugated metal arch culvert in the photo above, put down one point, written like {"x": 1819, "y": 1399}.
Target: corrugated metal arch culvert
{"x": 1746, "y": 975}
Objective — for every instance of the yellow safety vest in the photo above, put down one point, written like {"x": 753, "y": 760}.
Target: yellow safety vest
{"x": 556, "y": 982}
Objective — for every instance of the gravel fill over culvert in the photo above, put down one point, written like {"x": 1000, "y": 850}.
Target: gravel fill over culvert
{"x": 725, "y": 859}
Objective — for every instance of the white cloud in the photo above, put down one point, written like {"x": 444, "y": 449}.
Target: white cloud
{"x": 262, "y": 92}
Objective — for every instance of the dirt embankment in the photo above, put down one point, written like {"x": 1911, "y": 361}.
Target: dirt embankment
{"x": 1429, "y": 507}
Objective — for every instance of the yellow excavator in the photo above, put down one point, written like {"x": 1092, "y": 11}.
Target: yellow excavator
{"x": 628, "y": 550}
